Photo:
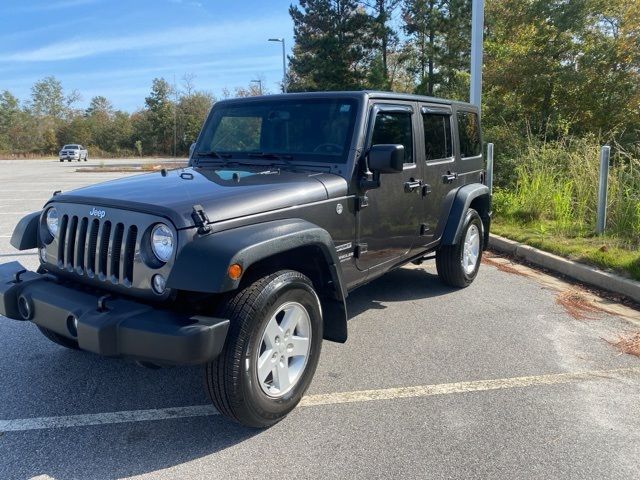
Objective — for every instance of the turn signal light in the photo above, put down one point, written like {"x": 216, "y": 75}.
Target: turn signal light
{"x": 234, "y": 271}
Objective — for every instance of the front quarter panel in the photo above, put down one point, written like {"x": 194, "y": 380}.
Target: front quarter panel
{"x": 25, "y": 235}
{"x": 201, "y": 265}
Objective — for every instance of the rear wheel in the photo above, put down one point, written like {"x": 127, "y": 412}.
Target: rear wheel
{"x": 59, "y": 339}
{"x": 272, "y": 350}
{"x": 458, "y": 264}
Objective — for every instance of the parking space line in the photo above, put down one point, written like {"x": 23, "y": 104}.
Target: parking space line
{"x": 44, "y": 423}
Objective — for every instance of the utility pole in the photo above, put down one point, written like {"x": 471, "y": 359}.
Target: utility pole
{"x": 284, "y": 63}
{"x": 175, "y": 117}
{"x": 477, "y": 31}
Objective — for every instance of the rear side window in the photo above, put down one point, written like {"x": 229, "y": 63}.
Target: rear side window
{"x": 469, "y": 132}
{"x": 394, "y": 128}
{"x": 437, "y": 136}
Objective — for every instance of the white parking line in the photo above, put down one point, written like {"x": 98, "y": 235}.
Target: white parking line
{"x": 25, "y": 424}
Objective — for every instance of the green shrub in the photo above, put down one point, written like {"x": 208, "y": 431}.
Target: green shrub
{"x": 555, "y": 186}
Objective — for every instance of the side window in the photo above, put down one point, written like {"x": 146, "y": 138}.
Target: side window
{"x": 437, "y": 136}
{"x": 469, "y": 132}
{"x": 394, "y": 128}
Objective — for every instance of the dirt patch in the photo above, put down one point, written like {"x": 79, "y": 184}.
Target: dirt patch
{"x": 503, "y": 267}
{"x": 629, "y": 344}
{"x": 578, "y": 305}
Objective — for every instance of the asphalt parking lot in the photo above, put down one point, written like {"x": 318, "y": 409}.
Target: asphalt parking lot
{"x": 500, "y": 380}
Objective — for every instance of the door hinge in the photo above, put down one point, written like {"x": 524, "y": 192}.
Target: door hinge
{"x": 363, "y": 202}
{"x": 361, "y": 249}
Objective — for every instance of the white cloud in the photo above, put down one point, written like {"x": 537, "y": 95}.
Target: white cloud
{"x": 202, "y": 39}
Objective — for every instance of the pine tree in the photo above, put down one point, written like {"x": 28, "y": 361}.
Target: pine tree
{"x": 334, "y": 44}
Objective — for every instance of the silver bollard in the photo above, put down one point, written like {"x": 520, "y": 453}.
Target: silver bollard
{"x": 605, "y": 153}
{"x": 490, "y": 167}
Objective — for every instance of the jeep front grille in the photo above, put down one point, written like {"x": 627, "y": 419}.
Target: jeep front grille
{"x": 102, "y": 249}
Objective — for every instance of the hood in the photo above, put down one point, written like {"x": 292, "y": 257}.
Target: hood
{"x": 224, "y": 193}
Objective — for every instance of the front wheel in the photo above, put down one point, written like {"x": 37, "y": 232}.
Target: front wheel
{"x": 271, "y": 352}
{"x": 458, "y": 264}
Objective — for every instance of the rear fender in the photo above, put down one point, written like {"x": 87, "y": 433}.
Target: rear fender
{"x": 476, "y": 194}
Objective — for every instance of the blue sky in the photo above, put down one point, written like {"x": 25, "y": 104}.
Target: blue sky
{"x": 116, "y": 47}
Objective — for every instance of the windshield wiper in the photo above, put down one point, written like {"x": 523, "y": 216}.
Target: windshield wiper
{"x": 270, "y": 155}
{"x": 213, "y": 154}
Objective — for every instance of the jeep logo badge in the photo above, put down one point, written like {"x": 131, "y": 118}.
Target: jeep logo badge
{"x": 94, "y": 212}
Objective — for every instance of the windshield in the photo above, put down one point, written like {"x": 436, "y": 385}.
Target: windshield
{"x": 308, "y": 129}
{"x": 70, "y": 147}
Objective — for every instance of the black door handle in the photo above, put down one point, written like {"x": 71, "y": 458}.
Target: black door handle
{"x": 412, "y": 185}
{"x": 449, "y": 177}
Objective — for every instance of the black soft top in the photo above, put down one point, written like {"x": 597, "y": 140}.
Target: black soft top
{"x": 361, "y": 95}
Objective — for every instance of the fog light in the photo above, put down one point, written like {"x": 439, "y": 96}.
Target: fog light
{"x": 25, "y": 308}
{"x": 72, "y": 325}
{"x": 159, "y": 284}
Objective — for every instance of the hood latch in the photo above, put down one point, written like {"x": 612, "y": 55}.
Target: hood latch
{"x": 200, "y": 220}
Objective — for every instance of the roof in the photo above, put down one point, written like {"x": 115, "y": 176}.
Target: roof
{"x": 360, "y": 94}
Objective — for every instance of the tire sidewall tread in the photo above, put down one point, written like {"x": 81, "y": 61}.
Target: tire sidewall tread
{"x": 449, "y": 257}
{"x": 234, "y": 389}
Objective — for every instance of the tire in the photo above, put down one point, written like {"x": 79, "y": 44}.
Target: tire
{"x": 232, "y": 380}
{"x": 59, "y": 339}
{"x": 450, "y": 259}
{"x": 86, "y": 157}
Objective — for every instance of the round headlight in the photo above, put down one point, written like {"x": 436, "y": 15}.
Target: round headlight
{"x": 52, "y": 221}
{"x": 162, "y": 242}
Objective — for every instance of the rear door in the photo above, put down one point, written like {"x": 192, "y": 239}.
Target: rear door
{"x": 439, "y": 158}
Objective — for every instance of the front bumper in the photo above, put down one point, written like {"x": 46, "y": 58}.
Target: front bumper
{"x": 111, "y": 327}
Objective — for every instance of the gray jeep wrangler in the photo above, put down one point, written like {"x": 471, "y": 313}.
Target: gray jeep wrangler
{"x": 242, "y": 261}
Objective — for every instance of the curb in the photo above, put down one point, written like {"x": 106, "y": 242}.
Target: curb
{"x": 577, "y": 271}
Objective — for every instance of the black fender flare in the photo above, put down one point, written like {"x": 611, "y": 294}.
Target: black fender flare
{"x": 25, "y": 235}
{"x": 202, "y": 264}
{"x": 461, "y": 203}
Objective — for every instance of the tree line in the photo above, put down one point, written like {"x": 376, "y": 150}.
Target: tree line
{"x": 552, "y": 69}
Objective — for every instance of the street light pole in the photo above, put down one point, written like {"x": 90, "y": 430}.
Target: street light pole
{"x": 477, "y": 30}
{"x": 284, "y": 63}
{"x": 259, "y": 82}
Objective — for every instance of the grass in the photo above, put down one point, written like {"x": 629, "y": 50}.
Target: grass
{"x": 606, "y": 252}
{"x": 551, "y": 203}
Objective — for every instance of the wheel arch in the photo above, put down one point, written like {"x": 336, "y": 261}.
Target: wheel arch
{"x": 294, "y": 244}
{"x": 476, "y": 196}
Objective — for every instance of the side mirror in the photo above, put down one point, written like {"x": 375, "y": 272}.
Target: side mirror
{"x": 386, "y": 158}
{"x": 191, "y": 149}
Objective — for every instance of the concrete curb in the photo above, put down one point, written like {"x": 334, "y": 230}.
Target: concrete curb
{"x": 577, "y": 271}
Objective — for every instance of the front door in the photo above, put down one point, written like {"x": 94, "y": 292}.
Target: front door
{"x": 390, "y": 225}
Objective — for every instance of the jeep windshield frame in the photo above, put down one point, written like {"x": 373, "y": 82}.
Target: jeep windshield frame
{"x": 290, "y": 129}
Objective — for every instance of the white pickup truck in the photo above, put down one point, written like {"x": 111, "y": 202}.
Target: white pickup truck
{"x": 73, "y": 152}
